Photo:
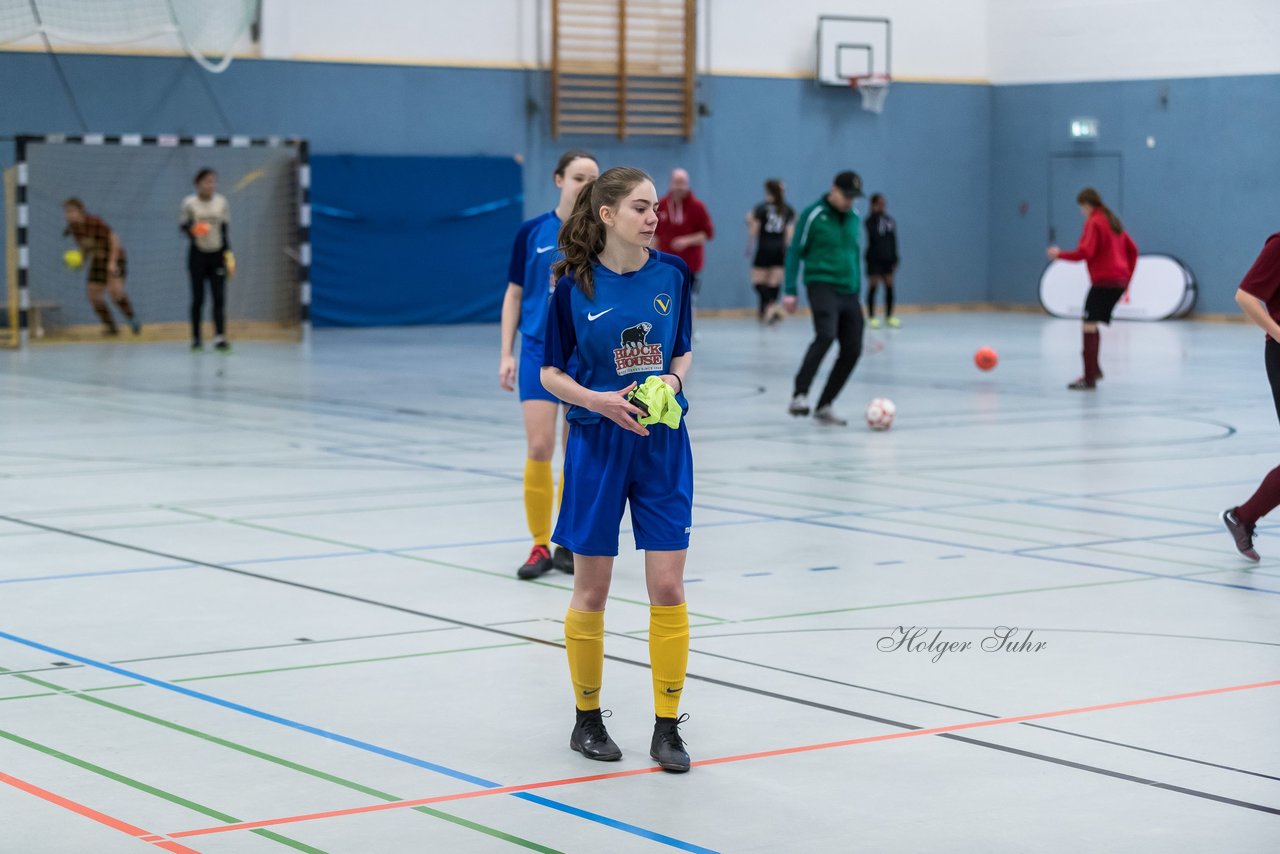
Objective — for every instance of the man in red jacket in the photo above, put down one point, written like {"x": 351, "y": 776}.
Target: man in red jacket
{"x": 1259, "y": 298}
{"x": 683, "y": 224}
{"x": 1111, "y": 256}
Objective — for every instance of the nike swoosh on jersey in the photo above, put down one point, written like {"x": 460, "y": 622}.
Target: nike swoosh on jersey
{"x": 591, "y": 316}
{"x": 542, "y": 249}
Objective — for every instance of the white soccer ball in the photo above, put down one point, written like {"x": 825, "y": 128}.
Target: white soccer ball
{"x": 880, "y": 413}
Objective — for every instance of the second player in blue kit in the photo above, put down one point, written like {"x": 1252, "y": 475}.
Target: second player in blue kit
{"x": 524, "y": 317}
{"x": 622, "y": 311}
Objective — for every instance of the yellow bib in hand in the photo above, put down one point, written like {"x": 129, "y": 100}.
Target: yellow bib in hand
{"x": 660, "y": 400}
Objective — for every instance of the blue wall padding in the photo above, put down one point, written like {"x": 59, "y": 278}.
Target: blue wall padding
{"x": 407, "y": 240}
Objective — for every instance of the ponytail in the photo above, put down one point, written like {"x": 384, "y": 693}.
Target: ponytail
{"x": 773, "y": 189}
{"x": 582, "y": 237}
{"x": 1089, "y": 196}
{"x": 581, "y": 240}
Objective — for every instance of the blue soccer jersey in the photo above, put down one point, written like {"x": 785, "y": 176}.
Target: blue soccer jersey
{"x": 531, "y": 258}
{"x": 637, "y": 323}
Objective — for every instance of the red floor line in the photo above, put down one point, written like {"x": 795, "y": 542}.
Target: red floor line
{"x": 94, "y": 815}
{"x": 785, "y": 751}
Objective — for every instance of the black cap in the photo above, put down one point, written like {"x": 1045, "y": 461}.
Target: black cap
{"x": 849, "y": 184}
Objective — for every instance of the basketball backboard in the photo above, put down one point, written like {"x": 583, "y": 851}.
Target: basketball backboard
{"x": 851, "y": 46}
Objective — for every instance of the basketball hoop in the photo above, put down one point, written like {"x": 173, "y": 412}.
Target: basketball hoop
{"x": 874, "y": 89}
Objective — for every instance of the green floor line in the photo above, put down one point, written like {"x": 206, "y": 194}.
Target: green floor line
{"x": 280, "y": 499}
{"x": 286, "y": 763}
{"x": 139, "y": 526}
{"x": 401, "y": 657}
{"x": 145, "y": 788}
{"x": 354, "y": 510}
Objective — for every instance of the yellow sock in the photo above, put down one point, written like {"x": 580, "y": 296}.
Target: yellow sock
{"x": 669, "y": 655}
{"x": 537, "y": 499}
{"x": 584, "y": 642}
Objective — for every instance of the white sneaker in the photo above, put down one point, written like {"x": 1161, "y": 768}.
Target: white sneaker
{"x": 799, "y": 405}
{"x": 826, "y": 415}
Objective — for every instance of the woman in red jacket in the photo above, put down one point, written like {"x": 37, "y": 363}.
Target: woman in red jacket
{"x": 1111, "y": 256}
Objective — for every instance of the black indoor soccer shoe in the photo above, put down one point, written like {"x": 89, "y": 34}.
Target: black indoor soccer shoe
{"x": 667, "y": 748}
{"x": 563, "y": 560}
{"x": 591, "y": 739}
{"x": 1241, "y": 533}
{"x": 538, "y": 564}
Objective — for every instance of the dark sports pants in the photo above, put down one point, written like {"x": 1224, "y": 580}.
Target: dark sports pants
{"x": 208, "y": 267}
{"x": 836, "y": 316}
{"x": 1267, "y": 496}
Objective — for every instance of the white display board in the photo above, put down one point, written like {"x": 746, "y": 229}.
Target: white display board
{"x": 852, "y": 46}
{"x": 1162, "y": 288}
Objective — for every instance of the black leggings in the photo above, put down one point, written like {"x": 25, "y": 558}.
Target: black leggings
{"x": 768, "y": 296}
{"x": 1273, "y": 371}
{"x": 836, "y": 316}
{"x": 210, "y": 267}
{"x": 873, "y": 280}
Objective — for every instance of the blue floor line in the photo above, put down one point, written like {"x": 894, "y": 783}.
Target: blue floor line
{"x": 358, "y": 744}
{"x": 99, "y": 573}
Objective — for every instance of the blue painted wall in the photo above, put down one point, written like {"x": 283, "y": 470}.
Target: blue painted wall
{"x": 929, "y": 152}
{"x": 956, "y": 161}
{"x": 1207, "y": 193}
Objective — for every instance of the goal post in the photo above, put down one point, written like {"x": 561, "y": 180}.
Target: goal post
{"x": 135, "y": 184}
{"x": 9, "y": 312}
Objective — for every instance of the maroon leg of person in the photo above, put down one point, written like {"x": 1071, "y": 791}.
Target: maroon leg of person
{"x": 1091, "y": 372}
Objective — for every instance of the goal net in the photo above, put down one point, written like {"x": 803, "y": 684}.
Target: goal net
{"x": 136, "y": 186}
{"x": 209, "y": 30}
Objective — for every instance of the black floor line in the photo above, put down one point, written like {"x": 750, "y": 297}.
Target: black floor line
{"x": 940, "y": 705}
{"x": 622, "y": 660}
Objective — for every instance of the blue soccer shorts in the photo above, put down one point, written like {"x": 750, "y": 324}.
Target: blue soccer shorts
{"x": 529, "y": 372}
{"x": 606, "y": 468}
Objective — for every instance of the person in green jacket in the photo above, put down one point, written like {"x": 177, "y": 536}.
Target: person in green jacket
{"x": 826, "y": 243}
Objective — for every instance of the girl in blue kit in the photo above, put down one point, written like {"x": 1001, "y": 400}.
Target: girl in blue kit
{"x": 524, "y": 310}
{"x": 620, "y": 313}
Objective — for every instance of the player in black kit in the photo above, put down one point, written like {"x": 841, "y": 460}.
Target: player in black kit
{"x": 769, "y": 226}
{"x": 882, "y": 260}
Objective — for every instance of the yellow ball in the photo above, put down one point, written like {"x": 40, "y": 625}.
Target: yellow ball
{"x": 73, "y": 258}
